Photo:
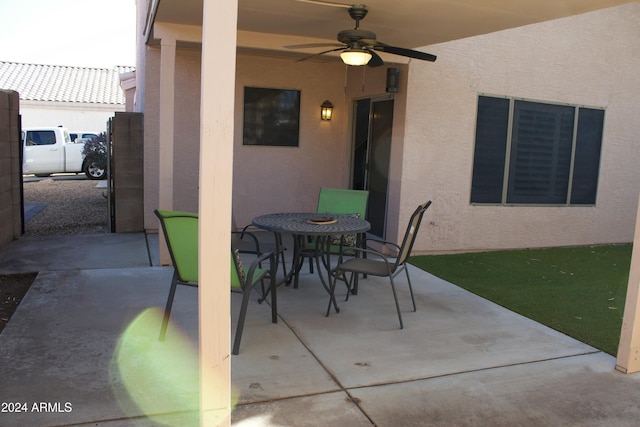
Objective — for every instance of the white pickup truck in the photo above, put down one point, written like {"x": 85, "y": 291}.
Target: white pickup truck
{"x": 50, "y": 150}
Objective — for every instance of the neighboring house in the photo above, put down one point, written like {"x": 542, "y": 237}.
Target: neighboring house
{"x": 79, "y": 98}
{"x": 586, "y": 62}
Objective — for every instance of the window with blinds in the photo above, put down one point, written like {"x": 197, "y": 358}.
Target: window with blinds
{"x": 536, "y": 153}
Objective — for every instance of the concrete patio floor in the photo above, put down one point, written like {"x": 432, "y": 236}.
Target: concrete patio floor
{"x": 84, "y": 343}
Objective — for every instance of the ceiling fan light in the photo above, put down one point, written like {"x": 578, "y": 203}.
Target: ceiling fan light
{"x": 355, "y": 57}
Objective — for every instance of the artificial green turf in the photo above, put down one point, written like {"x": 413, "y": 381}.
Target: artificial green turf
{"x": 578, "y": 291}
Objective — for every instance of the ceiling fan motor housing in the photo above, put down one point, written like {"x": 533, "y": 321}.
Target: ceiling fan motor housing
{"x": 353, "y": 36}
{"x": 362, "y": 40}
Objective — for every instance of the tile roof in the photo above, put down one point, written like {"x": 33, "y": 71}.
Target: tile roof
{"x": 63, "y": 83}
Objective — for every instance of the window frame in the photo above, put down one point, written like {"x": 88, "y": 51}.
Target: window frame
{"x": 509, "y": 146}
{"x": 42, "y": 141}
{"x": 268, "y": 120}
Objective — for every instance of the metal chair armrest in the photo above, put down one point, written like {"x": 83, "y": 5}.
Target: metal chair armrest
{"x": 256, "y": 263}
{"x": 249, "y": 229}
{"x": 384, "y": 243}
{"x": 253, "y": 239}
{"x": 371, "y": 251}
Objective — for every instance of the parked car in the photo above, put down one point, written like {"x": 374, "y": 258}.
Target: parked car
{"x": 50, "y": 150}
{"x": 83, "y": 135}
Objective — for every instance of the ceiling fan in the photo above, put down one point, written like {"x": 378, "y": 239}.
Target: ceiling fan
{"x": 358, "y": 46}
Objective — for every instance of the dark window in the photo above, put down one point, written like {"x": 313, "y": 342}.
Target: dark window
{"x": 271, "y": 116}
{"x": 587, "y": 163}
{"x": 41, "y": 137}
{"x": 491, "y": 148}
{"x": 541, "y": 147}
{"x": 542, "y": 160}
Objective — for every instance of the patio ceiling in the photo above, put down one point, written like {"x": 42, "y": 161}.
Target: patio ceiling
{"x": 405, "y": 23}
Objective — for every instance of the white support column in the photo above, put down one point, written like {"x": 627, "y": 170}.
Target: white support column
{"x": 628, "y": 360}
{"x": 216, "y": 172}
{"x": 166, "y": 134}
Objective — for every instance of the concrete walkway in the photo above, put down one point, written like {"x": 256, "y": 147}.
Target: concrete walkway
{"x": 82, "y": 349}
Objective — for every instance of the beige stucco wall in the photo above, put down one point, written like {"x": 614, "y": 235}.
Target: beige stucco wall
{"x": 266, "y": 179}
{"x": 281, "y": 179}
{"x": 150, "y": 87}
{"x": 187, "y": 132}
{"x": 591, "y": 59}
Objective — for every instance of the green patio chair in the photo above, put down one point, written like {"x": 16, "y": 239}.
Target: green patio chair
{"x": 181, "y": 234}
{"x": 337, "y": 201}
{"x": 380, "y": 265}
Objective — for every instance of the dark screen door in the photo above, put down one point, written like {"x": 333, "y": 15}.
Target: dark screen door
{"x": 371, "y": 154}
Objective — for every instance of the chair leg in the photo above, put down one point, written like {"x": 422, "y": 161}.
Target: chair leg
{"x": 284, "y": 264}
{"x": 363, "y": 244}
{"x": 395, "y": 297}
{"x": 272, "y": 286}
{"x": 243, "y": 313}
{"x": 314, "y": 254}
{"x": 354, "y": 288}
{"x": 296, "y": 272}
{"x": 413, "y": 300}
{"x": 319, "y": 267}
{"x": 350, "y": 283}
{"x": 263, "y": 292}
{"x": 280, "y": 255}
{"x": 332, "y": 296}
{"x": 364, "y": 255}
{"x": 167, "y": 309}
{"x": 298, "y": 260}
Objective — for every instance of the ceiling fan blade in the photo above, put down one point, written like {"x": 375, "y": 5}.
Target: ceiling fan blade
{"x": 375, "y": 60}
{"x": 302, "y": 46}
{"x": 326, "y": 3}
{"x": 321, "y": 53}
{"x": 410, "y": 53}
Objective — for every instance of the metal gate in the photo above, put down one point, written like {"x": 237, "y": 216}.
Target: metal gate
{"x": 125, "y": 166}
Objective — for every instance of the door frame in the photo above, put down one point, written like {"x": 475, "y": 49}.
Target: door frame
{"x": 366, "y": 180}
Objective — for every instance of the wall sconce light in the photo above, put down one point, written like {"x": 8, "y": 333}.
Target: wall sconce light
{"x": 393, "y": 79}
{"x": 326, "y": 110}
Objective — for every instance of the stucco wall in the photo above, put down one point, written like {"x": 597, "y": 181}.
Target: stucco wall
{"x": 187, "y": 130}
{"x": 591, "y": 60}
{"x": 150, "y": 87}
{"x": 266, "y": 179}
{"x": 272, "y": 179}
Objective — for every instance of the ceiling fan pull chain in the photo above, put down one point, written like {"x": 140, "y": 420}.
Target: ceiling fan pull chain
{"x": 364, "y": 70}
{"x": 346, "y": 77}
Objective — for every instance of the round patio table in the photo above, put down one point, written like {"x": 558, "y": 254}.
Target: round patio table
{"x": 303, "y": 224}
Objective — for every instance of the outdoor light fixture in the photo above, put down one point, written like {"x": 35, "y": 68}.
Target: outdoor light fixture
{"x": 393, "y": 77}
{"x": 355, "y": 57}
{"x": 326, "y": 110}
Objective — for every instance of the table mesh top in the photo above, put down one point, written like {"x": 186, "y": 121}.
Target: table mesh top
{"x": 298, "y": 223}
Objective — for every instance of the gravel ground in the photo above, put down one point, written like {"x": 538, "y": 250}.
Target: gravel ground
{"x": 74, "y": 206}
